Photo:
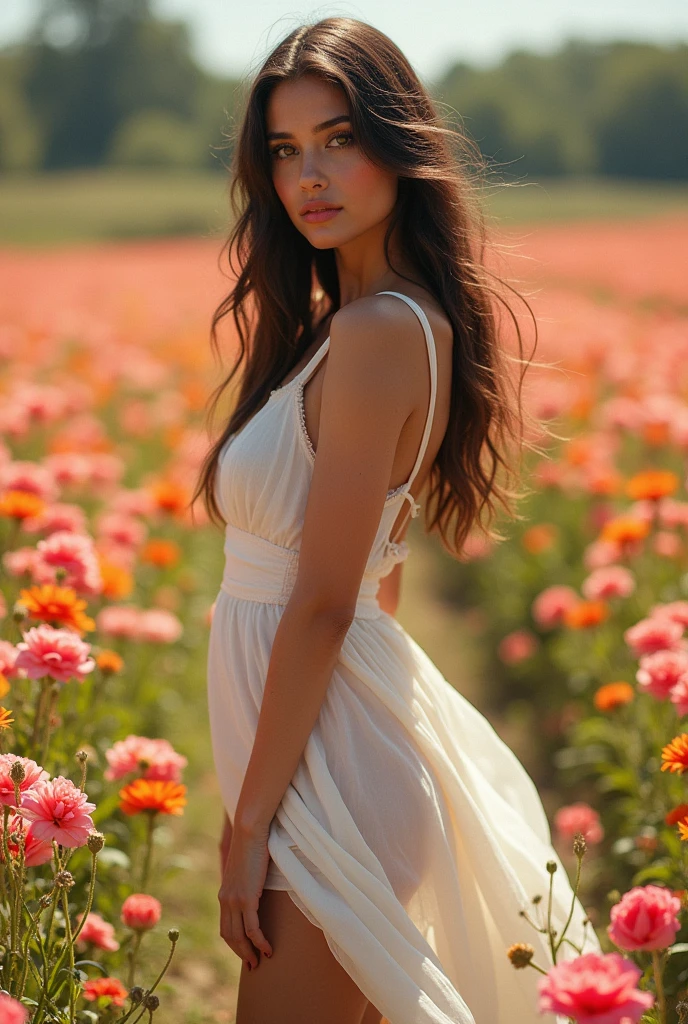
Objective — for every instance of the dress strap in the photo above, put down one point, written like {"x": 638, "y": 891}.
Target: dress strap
{"x": 313, "y": 363}
{"x": 432, "y": 354}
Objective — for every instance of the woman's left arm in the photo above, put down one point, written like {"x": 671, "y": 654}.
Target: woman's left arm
{"x": 368, "y": 394}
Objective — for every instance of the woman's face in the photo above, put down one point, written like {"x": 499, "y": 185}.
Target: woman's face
{"x": 312, "y": 160}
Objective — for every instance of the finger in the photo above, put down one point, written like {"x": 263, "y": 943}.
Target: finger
{"x": 252, "y": 929}
{"x": 240, "y": 942}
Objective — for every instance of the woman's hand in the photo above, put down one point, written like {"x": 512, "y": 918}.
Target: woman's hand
{"x": 243, "y": 878}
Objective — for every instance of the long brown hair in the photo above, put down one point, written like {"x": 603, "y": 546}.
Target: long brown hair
{"x": 441, "y": 228}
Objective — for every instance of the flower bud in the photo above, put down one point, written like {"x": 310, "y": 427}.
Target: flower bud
{"x": 95, "y": 841}
{"x": 173, "y": 934}
{"x": 81, "y": 756}
{"x": 17, "y": 772}
{"x": 520, "y": 954}
{"x": 579, "y": 844}
{"x": 19, "y": 611}
{"x": 136, "y": 994}
{"x": 140, "y": 911}
{"x": 551, "y": 866}
{"x": 152, "y": 1002}
{"x": 537, "y": 899}
{"x": 64, "y": 879}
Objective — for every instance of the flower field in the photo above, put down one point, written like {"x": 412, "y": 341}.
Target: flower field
{"x": 110, "y": 815}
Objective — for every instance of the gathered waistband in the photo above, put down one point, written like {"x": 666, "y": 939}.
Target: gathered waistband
{"x": 258, "y": 570}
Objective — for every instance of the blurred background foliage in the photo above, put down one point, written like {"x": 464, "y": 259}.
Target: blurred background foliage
{"x": 101, "y": 83}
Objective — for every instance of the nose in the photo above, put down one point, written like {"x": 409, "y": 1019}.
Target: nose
{"x": 311, "y": 175}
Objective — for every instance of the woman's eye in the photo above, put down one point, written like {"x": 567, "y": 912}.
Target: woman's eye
{"x": 278, "y": 154}
{"x": 341, "y": 135}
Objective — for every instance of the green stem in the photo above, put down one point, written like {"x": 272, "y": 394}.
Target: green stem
{"x": 132, "y": 954}
{"x": 659, "y": 986}
{"x": 573, "y": 904}
{"x": 549, "y": 919}
{"x": 89, "y": 901}
{"x": 149, "y": 849}
{"x": 38, "y": 716}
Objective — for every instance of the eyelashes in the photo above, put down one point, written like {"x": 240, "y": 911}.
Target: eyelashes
{"x": 275, "y": 152}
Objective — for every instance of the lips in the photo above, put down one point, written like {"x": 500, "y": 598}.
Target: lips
{"x": 317, "y": 206}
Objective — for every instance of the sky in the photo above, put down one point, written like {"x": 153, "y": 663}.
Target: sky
{"x": 232, "y": 36}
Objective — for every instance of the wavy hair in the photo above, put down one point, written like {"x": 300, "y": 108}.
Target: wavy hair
{"x": 284, "y": 288}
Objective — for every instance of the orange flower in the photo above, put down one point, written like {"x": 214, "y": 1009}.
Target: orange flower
{"x": 613, "y": 695}
{"x": 585, "y": 614}
{"x": 579, "y": 451}
{"x": 117, "y": 582}
{"x": 170, "y": 497}
{"x": 155, "y": 795}
{"x": 656, "y": 433}
{"x": 20, "y": 504}
{"x": 54, "y": 604}
{"x": 604, "y": 481}
{"x": 676, "y": 815}
{"x": 4, "y": 685}
{"x": 109, "y": 662}
{"x": 540, "y": 537}
{"x": 159, "y": 552}
{"x": 5, "y": 718}
{"x": 675, "y": 754}
{"x": 625, "y": 529}
{"x": 652, "y": 484}
{"x": 683, "y": 829}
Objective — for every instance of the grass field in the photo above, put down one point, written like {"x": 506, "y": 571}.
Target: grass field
{"x": 108, "y": 204}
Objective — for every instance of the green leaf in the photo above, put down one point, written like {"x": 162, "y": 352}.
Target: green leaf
{"x": 111, "y": 855}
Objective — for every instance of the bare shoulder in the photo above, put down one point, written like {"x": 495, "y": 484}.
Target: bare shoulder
{"x": 382, "y": 335}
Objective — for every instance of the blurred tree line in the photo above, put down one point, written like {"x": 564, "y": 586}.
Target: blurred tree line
{"x": 105, "y": 82}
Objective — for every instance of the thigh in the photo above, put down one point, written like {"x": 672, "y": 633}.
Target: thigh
{"x": 302, "y": 982}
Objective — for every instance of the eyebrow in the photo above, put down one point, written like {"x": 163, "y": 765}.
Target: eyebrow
{"x": 318, "y": 128}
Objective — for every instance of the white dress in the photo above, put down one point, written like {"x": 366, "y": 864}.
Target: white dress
{"x": 410, "y": 833}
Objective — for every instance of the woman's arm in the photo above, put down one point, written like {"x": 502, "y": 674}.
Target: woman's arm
{"x": 369, "y": 390}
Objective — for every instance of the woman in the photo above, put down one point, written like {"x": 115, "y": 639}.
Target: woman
{"x": 380, "y": 838}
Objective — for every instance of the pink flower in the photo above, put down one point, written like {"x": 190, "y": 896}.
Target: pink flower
{"x": 28, "y": 476}
{"x": 517, "y": 646}
{"x": 660, "y": 672}
{"x": 140, "y": 911}
{"x": 8, "y": 658}
{"x": 153, "y": 759}
{"x": 59, "y": 653}
{"x": 667, "y": 544}
{"x": 551, "y": 604}
{"x": 20, "y": 560}
{"x": 133, "y": 502}
{"x": 645, "y": 917}
{"x": 12, "y": 1011}
{"x": 33, "y": 773}
{"x": 68, "y": 468}
{"x": 677, "y": 611}
{"x": 657, "y": 633}
{"x": 76, "y": 554}
{"x": 672, "y": 513}
{"x": 600, "y": 553}
{"x": 122, "y": 529}
{"x": 36, "y": 851}
{"x": 119, "y": 620}
{"x": 608, "y": 581}
{"x": 59, "y": 811}
{"x": 679, "y": 696}
{"x": 57, "y": 517}
{"x": 98, "y": 931}
{"x": 579, "y": 817}
{"x": 159, "y": 626}
{"x": 595, "y": 989}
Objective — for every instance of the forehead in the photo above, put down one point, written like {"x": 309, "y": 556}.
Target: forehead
{"x": 303, "y": 103}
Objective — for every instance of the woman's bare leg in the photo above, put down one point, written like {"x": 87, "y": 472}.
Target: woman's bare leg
{"x": 302, "y": 982}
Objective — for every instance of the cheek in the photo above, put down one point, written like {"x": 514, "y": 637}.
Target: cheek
{"x": 369, "y": 186}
